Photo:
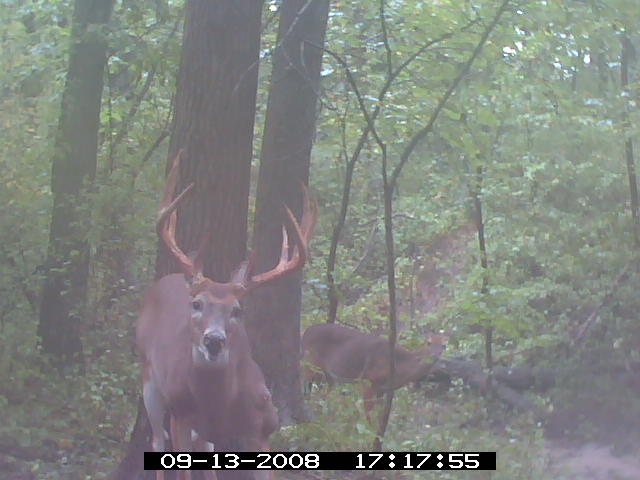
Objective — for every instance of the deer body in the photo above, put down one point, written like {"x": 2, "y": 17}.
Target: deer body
{"x": 345, "y": 355}
{"x": 196, "y": 356}
{"x": 178, "y": 378}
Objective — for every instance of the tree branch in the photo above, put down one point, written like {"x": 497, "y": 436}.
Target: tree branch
{"x": 422, "y": 133}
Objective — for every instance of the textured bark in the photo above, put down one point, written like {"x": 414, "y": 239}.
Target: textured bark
{"x": 73, "y": 169}
{"x": 213, "y": 125}
{"x": 215, "y": 110}
{"x": 286, "y": 148}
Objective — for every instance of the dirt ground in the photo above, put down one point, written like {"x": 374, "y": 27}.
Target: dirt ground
{"x": 593, "y": 462}
{"x": 589, "y": 461}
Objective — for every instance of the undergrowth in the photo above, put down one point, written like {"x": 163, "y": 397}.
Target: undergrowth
{"x": 459, "y": 420}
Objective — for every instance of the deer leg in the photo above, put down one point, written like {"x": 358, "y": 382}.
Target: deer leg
{"x": 201, "y": 445}
{"x": 181, "y": 439}
{"x": 371, "y": 397}
{"x": 330, "y": 380}
{"x": 257, "y": 443}
{"x": 306, "y": 378}
{"x": 154, "y": 405}
{"x": 312, "y": 374}
{"x": 155, "y": 411}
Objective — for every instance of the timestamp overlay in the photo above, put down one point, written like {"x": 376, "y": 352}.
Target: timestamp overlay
{"x": 320, "y": 461}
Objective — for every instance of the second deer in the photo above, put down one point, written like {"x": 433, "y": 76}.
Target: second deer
{"x": 346, "y": 355}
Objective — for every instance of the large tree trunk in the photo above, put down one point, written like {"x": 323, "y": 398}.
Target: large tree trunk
{"x": 625, "y": 59}
{"x": 288, "y": 136}
{"x": 213, "y": 125}
{"x": 74, "y": 167}
{"x": 215, "y": 110}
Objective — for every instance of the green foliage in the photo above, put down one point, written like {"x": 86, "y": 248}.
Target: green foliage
{"x": 350, "y": 431}
{"x": 541, "y": 112}
{"x": 422, "y": 423}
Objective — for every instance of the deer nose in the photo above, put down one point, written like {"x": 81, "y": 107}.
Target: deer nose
{"x": 214, "y": 342}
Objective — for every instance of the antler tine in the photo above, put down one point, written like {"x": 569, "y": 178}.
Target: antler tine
{"x": 304, "y": 230}
{"x": 172, "y": 181}
{"x": 284, "y": 251}
{"x": 300, "y": 245}
{"x": 199, "y": 258}
{"x": 309, "y": 214}
{"x": 167, "y": 219}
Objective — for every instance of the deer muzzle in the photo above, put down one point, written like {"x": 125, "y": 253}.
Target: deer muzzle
{"x": 214, "y": 342}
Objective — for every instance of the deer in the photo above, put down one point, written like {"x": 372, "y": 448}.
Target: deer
{"x": 343, "y": 354}
{"x": 196, "y": 359}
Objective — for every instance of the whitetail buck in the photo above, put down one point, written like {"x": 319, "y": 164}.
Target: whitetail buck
{"x": 197, "y": 363}
{"x": 344, "y": 354}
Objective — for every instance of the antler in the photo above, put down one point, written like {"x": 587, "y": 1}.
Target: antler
{"x": 303, "y": 232}
{"x": 166, "y": 225}
{"x": 289, "y": 261}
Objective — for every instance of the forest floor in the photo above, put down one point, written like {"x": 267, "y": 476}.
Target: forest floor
{"x": 587, "y": 461}
{"x": 591, "y": 461}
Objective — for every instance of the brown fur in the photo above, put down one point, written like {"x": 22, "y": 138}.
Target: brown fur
{"x": 196, "y": 357}
{"x": 345, "y": 354}
{"x": 229, "y": 406}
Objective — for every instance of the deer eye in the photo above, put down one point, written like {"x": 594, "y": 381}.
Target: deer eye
{"x": 196, "y": 305}
{"x": 236, "y": 312}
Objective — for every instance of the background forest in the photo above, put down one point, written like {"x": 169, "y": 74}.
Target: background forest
{"x": 473, "y": 160}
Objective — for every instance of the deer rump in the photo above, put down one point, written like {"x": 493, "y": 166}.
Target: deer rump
{"x": 229, "y": 406}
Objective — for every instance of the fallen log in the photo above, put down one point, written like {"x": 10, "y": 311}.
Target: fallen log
{"x": 506, "y": 383}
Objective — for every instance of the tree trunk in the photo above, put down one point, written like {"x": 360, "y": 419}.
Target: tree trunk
{"x": 73, "y": 168}
{"x": 215, "y": 110}
{"x": 288, "y": 136}
{"x": 627, "y": 55}
{"x": 213, "y": 125}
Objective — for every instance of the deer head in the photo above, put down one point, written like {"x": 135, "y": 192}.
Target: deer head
{"x": 214, "y": 306}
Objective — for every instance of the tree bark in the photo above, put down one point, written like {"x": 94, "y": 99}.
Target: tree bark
{"x": 213, "y": 125}
{"x": 73, "y": 169}
{"x": 214, "y": 120}
{"x": 625, "y": 59}
{"x": 288, "y": 136}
